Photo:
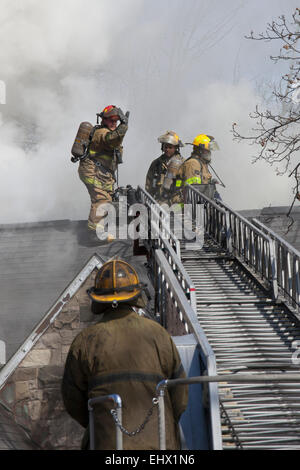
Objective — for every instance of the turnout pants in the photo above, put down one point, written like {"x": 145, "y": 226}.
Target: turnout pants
{"x": 100, "y": 187}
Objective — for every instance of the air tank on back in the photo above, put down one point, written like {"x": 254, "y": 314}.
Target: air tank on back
{"x": 81, "y": 139}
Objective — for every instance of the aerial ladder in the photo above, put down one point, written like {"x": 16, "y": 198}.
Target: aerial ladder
{"x": 232, "y": 306}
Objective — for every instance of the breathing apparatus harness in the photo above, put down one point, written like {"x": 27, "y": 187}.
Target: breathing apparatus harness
{"x": 117, "y": 156}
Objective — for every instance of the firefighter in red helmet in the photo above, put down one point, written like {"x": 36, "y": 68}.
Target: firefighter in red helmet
{"x": 97, "y": 170}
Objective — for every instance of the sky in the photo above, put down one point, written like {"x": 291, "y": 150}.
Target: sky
{"x": 174, "y": 64}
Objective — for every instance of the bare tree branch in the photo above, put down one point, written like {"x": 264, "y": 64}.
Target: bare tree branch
{"x": 276, "y": 130}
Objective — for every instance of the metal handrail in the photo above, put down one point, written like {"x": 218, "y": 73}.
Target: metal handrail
{"x": 169, "y": 244}
{"x": 216, "y": 221}
{"x": 244, "y": 240}
{"x": 161, "y": 230}
{"x": 205, "y": 379}
{"x": 147, "y": 199}
{"x": 287, "y": 266}
{"x": 180, "y": 272}
{"x": 189, "y": 319}
{"x": 118, "y": 402}
{"x": 159, "y": 218}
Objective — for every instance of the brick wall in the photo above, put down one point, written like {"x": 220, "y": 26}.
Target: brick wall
{"x": 33, "y": 390}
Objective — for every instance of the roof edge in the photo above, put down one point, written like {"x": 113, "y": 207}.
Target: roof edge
{"x": 94, "y": 262}
{"x": 46, "y": 223}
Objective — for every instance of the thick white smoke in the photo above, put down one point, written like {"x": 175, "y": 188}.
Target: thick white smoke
{"x": 52, "y": 62}
{"x": 175, "y": 65}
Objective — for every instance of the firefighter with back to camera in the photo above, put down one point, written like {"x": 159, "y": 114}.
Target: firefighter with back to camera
{"x": 125, "y": 354}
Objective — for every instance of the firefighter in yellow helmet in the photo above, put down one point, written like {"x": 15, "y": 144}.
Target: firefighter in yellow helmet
{"x": 97, "y": 170}
{"x": 161, "y": 176}
{"x": 125, "y": 354}
{"x": 195, "y": 170}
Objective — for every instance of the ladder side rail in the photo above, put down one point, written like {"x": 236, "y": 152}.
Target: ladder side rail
{"x": 242, "y": 236}
{"x": 161, "y": 218}
{"x": 290, "y": 268}
{"x": 181, "y": 274}
{"x": 252, "y": 253}
{"x": 296, "y": 282}
{"x": 287, "y": 266}
{"x": 145, "y": 198}
{"x": 280, "y": 265}
{"x": 189, "y": 321}
{"x": 162, "y": 227}
{"x": 259, "y": 253}
{"x": 228, "y": 233}
{"x": 234, "y": 378}
{"x": 179, "y": 271}
{"x": 274, "y": 235}
{"x": 215, "y": 220}
{"x": 156, "y": 213}
{"x": 158, "y": 223}
{"x": 156, "y": 241}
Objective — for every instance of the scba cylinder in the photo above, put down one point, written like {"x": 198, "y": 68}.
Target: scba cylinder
{"x": 81, "y": 139}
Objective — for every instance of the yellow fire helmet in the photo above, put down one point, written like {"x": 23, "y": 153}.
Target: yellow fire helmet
{"x": 171, "y": 138}
{"x": 206, "y": 142}
{"x": 116, "y": 281}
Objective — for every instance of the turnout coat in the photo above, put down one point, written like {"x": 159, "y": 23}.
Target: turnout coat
{"x": 97, "y": 170}
{"x": 124, "y": 354}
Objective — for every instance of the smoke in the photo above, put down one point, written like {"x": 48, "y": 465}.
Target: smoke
{"x": 175, "y": 65}
{"x": 248, "y": 186}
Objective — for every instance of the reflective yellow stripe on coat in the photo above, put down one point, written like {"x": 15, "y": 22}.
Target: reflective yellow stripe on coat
{"x": 193, "y": 180}
{"x": 93, "y": 153}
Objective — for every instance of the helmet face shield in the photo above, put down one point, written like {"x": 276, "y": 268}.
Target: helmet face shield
{"x": 171, "y": 138}
{"x": 206, "y": 142}
{"x": 213, "y": 145}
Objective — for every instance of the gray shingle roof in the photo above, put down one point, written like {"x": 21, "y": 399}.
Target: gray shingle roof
{"x": 37, "y": 262}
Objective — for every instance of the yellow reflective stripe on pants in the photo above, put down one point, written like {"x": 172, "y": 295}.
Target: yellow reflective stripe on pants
{"x": 193, "y": 180}
{"x": 93, "y": 226}
{"x": 95, "y": 182}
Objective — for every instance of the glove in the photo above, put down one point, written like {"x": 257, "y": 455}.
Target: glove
{"x": 123, "y": 117}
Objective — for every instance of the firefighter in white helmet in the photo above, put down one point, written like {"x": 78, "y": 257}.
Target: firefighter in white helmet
{"x": 161, "y": 176}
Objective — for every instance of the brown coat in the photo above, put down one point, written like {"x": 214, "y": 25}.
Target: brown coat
{"x": 105, "y": 142}
{"x": 194, "y": 167}
{"x": 124, "y": 354}
{"x": 193, "y": 171}
{"x": 163, "y": 168}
